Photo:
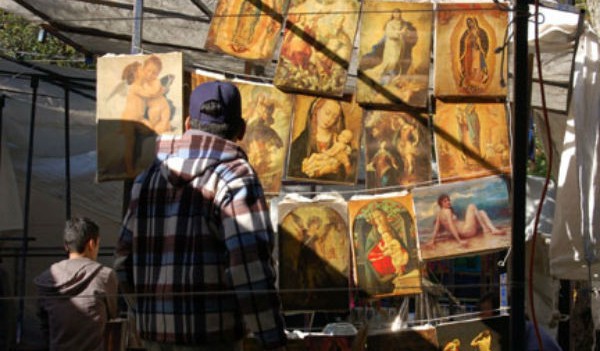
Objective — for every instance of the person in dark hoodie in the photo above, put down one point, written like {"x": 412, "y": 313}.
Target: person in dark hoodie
{"x": 196, "y": 244}
{"x": 78, "y": 295}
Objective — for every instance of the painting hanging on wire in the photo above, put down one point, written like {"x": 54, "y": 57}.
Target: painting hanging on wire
{"x": 471, "y": 140}
{"x": 385, "y": 244}
{"x": 314, "y": 254}
{"x": 398, "y": 149}
{"x": 138, "y": 98}
{"x": 477, "y": 334}
{"x": 267, "y": 112}
{"x": 395, "y": 51}
{"x": 466, "y": 60}
{"x": 325, "y": 140}
{"x": 317, "y": 45}
{"x": 247, "y": 29}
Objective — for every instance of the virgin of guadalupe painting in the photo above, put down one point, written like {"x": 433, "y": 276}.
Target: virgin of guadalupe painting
{"x": 385, "y": 244}
{"x": 138, "y": 98}
{"x": 317, "y": 45}
{"x": 461, "y": 219}
{"x": 314, "y": 251}
{"x": 395, "y": 50}
{"x": 471, "y": 140}
{"x": 477, "y": 334}
{"x": 398, "y": 149}
{"x": 466, "y": 62}
{"x": 324, "y": 140}
{"x": 267, "y": 112}
{"x": 247, "y": 29}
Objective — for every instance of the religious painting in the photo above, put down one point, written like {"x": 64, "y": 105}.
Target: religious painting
{"x": 267, "y": 112}
{"x": 421, "y": 338}
{"x": 314, "y": 254}
{"x": 395, "y": 51}
{"x": 247, "y": 29}
{"x": 471, "y": 140}
{"x": 325, "y": 140}
{"x": 398, "y": 149}
{"x": 317, "y": 45}
{"x": 138, "y": 98}
{"x": 466, "y": 61}
{"x": 385, "y": 244}
{"x": 461, "y": 219}
{"x": 477, "y": 334}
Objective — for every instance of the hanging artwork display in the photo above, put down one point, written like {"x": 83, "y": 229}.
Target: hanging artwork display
{"x": 314, "y": 253}
{"x": 458, "y": 219}
{"x": 478, "y": 334}
{"x": 422, "y": 339}
{"x": 138, "y": 98}
{"x": 267, "y": 112}
{"x": 317, "y": 45}
{"x": 471, "y": 140}
{"x": 398, "y": 148}
{"x": 325, "y": 140}
{"x": 466, "y": 61}
{"x": 385, "y": 244}
{"x": 245, "y": 28}
{"x": 395, "y": 51}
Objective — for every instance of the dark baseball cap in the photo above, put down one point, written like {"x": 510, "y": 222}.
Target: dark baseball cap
{"x": 225, "y": 93}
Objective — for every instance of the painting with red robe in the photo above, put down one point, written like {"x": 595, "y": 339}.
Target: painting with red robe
{"x": 314, "y": 253}
{"x": 398, "y": 148}
{"x": 317, "y": 45}
{"x": 471, "y": 140}
{"x": 385, "y": 244}
{"x": 466, "y": 61}
{"x": 395, "y": 51}
{"x": 477, "y": 334}
{"x": 247, "y": 29}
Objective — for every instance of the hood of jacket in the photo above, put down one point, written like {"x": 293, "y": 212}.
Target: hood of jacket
{"x": 67, "y": 277}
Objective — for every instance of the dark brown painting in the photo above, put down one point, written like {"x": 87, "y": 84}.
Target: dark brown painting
{"x": 490, "y": 334}
{"x": 421, "y": 339}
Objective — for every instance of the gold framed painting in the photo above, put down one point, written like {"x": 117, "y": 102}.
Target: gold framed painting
{"x": 398, "y": 149}
{"x": 138, "y": 98}
{"x": 471, "y": 140}
{"x": 480, "y": 334}
{"x": 325, "y": 140}
{"x": 395, "y": 51}
{"x": 385, "y": 245}
{"x": 466, "y": 62}
{"x": 247, "y": 29}
{"x": 317, "y": 46}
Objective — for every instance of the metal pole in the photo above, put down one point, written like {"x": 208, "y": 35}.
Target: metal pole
{"x": 2, "y": 97}
{"x": 67, "y": 152}
{"x": 136, "y": 35}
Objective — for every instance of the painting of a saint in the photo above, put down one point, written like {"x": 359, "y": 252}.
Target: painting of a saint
{"x": 394, "y": 57}
{"x": 317, "y": 45}
{"x": 466, "y": 62}
{"x": 139, "y": 97}
{"x": 463, "y": 218}
{"x": 471, "y": 140}
{"x": 325, "y": 140}
{"x": 247, "y": 29}
{"x": 398, "y": 149}
{"x": 384, "y": 235}
{"x": 490, "y": 334}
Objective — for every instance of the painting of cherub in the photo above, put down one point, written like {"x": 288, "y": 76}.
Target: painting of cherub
{"x": 467, "y": 63}
{"x": 395, "y": 50}
{"x": 463, "y": 218}
{"x": 384, "y": 236}
{"x": 138, "y": 98}
{"x": 471, "y": 140}
{"x": 317, "y": 45}
{"x": 267, "y": 112}
{"x": 247, "y": 29}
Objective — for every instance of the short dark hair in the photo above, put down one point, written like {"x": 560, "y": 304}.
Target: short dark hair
{"x": 78, "y": 231}
{"x": 227, "y": 130}
{"x": 493, "y": 298}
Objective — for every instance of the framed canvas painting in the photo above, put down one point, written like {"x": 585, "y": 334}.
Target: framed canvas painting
{"x": 398, "y": 149}
{"x": 421, "y": 338}
{"x": 138, "y": 98}
{"x": 466, "y": 63}
{"x": 317, "y": 45}
{"x": 395, "y": 51}
{"x": 267, "y": 112}
{"x": 325, "y": 140}
{"x": 460, "y": 219}
{"x": 314, "y": 254}
{"x": 471, "y": 140}
{"x": 478, "y": 334}
{"x": 247, "y": 29}
{"x": 385, "y": 245}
